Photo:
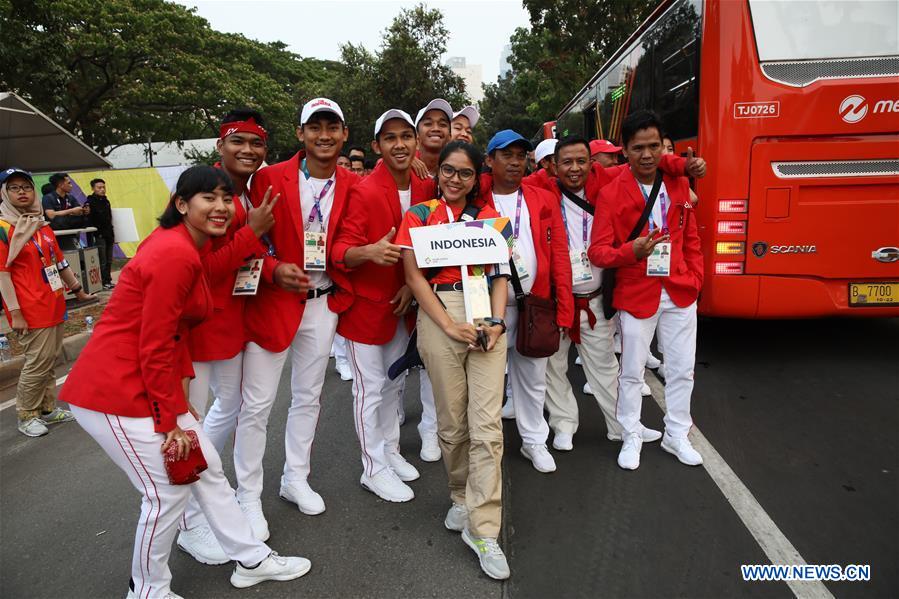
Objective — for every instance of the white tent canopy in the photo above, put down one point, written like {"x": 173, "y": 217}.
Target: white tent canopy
{"x": 31, "y": 140}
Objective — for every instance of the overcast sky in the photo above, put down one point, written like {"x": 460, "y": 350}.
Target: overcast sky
{"x": 314, "y": 28}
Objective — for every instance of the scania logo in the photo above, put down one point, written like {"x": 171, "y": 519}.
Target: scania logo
{"x": 853, "y": 108}
{"x": 794, "y": 249}
{"x": 759, "y": 248}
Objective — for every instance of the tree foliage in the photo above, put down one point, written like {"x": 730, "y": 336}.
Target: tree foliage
{"x": 567, "y": 42}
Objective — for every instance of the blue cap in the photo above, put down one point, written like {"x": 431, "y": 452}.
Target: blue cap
{"x": 4, "y": 175}
{"x": 505, "y": 138}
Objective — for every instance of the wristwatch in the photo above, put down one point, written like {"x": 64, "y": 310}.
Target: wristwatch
{"x": 496, "y": 321}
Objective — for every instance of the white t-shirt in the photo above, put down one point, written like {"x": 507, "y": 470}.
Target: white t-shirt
{"x": 656, "y": 214}
{"x": 310, "y": 188}
{"x": 405, "y": 199}
{"x": 574, "y": 220}
{"x": 506, "y": 206}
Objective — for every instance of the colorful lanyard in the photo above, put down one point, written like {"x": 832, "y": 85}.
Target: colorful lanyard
{"x": 40, "y": 252}
{"x": 517, "y": 212}
{"x": 317, "y": 208}
{"x": 583, "y": 228}
{"x": 662, "y": 206}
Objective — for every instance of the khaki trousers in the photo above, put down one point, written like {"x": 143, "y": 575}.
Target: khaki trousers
{"x": 468, "y": 394}
{"x": 597, "y": 352}
{"x": 36, "y": 391}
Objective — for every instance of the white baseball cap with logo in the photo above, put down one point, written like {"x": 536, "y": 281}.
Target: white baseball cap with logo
{"x": 471, "y": 113}
{"x": 436, "y": 104}
{"x": 319, "y": 105}
{"x": 544, "y": 149}
{"x": 393, "y": 113}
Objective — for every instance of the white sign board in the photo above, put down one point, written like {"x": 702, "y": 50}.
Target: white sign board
{"x": 124, "y": 225}
{"x": 462, "y": 243}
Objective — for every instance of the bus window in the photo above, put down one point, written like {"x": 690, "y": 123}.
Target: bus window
{"x": 675, "y": 64}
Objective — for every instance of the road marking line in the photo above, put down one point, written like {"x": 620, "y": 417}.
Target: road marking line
{"x": 773, "y": 542}
{"x": 11, "y": 402}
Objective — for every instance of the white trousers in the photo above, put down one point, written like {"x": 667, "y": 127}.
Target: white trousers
{"x": 597, "y": 352}
{"x": 428, "y": 424}
{"x": 223, "y": 377}
{"x": 134, "y": 446}
{"x": 527, "y": 377}
{"x": 338, "y": 348}
{"x": 376, "y": 398}
{"x": 677, "y": 331}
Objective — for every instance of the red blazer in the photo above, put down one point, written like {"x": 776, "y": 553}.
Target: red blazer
{"x": 551, "y": 245}
{"x": 540, "y": 178}
{"x": 222, "y": 336}
{"x": 599, "y": 177}
{"x": 620, "y": 206}
{"x": 273, "y": 315}
{"x": 135, "y": 360}
{"x": 372, "y": 209}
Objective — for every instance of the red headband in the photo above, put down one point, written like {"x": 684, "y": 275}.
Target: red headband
{"x": 247, "y": 126}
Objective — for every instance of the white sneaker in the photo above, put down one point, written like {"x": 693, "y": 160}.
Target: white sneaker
{"x": 578, "y": 361}
{"x": 587, "y": 389}
{"x": 563, "y": 442}
{"x": 540, "y": 457}
{"x": 300, "y": 493}
{"x": 647, "y": 434}
{"x": 652, "y": 362}
{"x": 456, "y": 518}
{"x": 430, "y": 448}
{"x": 645, "y": 391}
{"x": 387, "y": 485}
{"x": 33, "y": 427}
{"x": 629, "y": 456}
{"x": 682, "y": 449}
{"x": 170, "y": 595}
{"x": 508, "y": 412}
{"x": 252, "y": 510}
{"x": 403, "y": 469}
{"x": 493, "y": 560}
{"x": 274, "y": 567}
{"x": 201, "y": 544}
{"x": 344, "y": 370}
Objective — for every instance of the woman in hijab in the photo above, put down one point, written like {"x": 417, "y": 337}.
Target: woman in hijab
{"x": 32, "y": 272}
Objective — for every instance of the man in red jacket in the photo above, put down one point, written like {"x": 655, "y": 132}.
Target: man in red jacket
{"x": 658, "y": 281}
{"x": 540, "y": 255}
{"x": 374, "y": 322}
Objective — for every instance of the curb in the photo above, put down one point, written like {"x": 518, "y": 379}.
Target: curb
{"x": 71, "y": 348}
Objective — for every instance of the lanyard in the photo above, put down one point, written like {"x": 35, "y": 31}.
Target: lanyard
{"x": 583, "y": 227}
{"x": 517, "y": 212}
{"x": 317, "y": 208}
{"x": 663, "y": 209}
{"x": 40, "y": 251}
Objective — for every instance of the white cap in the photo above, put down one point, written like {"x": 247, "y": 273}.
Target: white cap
{"x": 471, "y": 113}
{"x": 436, "y": 104}
{"x": 393, "y": 113}
{"x": 544, "y": 149}
{"x": 319, "y": 105}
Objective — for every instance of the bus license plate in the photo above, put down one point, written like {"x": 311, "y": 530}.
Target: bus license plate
{"x": 874, "y": 294}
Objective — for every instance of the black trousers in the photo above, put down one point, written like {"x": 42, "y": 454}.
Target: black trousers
{"x": 105, "y": 246}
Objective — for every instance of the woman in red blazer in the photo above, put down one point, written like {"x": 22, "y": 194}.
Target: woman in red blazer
{"x": 127, "y": 390}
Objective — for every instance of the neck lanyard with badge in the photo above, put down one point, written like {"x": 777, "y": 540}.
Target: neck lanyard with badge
{"x": 50, "y": 271}
{"x": 581, "y": 271}
{"x": 658, "y": 263}
{"x": 315, "y": 243}
{"x": 249, "y": 273}
{"x": 517, "y": 262}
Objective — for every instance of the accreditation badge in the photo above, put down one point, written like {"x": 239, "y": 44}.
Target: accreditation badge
{"x": 658, "y": 264}
{"x": 247, "y": 281}
{"x": 51, "y": 275}
{"x": 314, "y": 244}
{"x": 581, "y": 271}
{"x": 519, "y": 264}
{"x": 477, "y": 296}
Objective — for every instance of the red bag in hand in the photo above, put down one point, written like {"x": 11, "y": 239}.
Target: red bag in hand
{"x": 186, "y": 471}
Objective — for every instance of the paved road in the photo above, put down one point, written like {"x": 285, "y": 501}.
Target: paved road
{"x": 805, "y": 413}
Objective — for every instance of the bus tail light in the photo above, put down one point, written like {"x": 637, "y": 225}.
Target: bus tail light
{"x": 733, "y": 206}
{"x": 732, "y": 227}
{"x": 728, "y": 268}
{"x": 730, "y": 247}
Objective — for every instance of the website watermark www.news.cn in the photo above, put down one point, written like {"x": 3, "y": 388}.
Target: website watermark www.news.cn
{"x": 832, "y": 572}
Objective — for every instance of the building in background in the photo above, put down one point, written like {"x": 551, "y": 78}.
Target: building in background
{"x": 504, "y": 66}
{"x": 472, "y": 74}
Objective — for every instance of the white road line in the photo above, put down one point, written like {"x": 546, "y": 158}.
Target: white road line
{"x": 773, "y": 542}
{"x": 12, "y": 402}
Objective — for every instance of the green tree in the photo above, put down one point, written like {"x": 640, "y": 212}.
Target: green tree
{"x": 405, "y": 72}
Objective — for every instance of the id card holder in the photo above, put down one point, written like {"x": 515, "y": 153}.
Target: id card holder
{"x": 247, "y": 281}
{"x": 658, "y": 264}
{"x": 314, "y": 244}
{"x": 477, "y": 296}
{"x": 51, "y": 275}
{"x": 519, "y": 264}
{"x": 581, "y": 272}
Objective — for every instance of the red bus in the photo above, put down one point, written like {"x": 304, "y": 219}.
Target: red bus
{"x": 795, "y": 107}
